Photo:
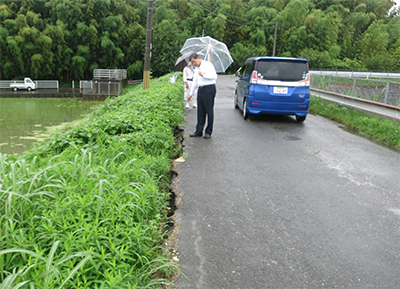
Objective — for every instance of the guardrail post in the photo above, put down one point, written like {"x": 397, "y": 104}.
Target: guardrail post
{"x": 109, "y": 83}
{"x": 98, "y": 87}
{"x": 73, "y": 84}
{"x": 387, "y": 92}
{"x": 329, "y": 83}
{"x": 354, "y": 87}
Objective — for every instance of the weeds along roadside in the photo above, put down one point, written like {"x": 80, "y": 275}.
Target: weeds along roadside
{"x": 378, "y": 129}
{"x": 87, "y": 208}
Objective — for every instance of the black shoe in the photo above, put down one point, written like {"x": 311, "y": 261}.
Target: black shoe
{"x": 207, "y": 136}
{"x": 195, "y": 135}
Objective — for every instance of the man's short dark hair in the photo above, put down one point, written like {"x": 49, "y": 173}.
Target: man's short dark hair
{"x": 193, "y": 56}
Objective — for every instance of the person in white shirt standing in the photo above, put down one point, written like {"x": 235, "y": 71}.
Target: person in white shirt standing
{"x": 204, "y": 80}
{"x": 188, "y": 80}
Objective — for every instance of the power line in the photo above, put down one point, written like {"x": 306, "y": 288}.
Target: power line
{"x": 320, "y": 29}
{"x": 234, "y": 16}
{"x": 265, "y": 28}
{"x": 205, "y": 9}
{"x": 314, "y": 29}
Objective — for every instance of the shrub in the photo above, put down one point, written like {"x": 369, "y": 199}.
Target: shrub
{"x": 87, "y": 208}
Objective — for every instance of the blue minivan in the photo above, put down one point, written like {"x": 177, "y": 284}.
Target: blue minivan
{"x": 273, "y": 85}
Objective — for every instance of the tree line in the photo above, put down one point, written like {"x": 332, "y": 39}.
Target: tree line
{"x": 67, "y": 39}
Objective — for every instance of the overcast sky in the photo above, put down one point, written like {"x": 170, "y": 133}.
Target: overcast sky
{"x": 397, "y": 2}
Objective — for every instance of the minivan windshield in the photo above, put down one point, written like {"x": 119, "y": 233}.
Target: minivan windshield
{"x": 282, "y": 70}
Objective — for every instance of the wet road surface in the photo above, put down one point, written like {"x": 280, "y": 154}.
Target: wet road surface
{"x": 271, "y": 203}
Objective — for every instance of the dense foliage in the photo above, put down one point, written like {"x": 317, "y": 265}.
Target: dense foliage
{"x": 87, "y": 209}
{"x": 67, "y": 39}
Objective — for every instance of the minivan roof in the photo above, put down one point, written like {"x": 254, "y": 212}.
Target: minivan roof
{"x": 256, "y": 58}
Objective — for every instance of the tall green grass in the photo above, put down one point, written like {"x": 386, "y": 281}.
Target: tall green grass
{"x": 379, "y": 129}
{"x": 87, "y": 209}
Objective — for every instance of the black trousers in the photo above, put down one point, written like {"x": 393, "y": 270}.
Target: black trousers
{"x": 205, "y": 108}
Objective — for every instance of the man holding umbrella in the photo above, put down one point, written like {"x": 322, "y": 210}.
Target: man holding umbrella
{"x": 204, "y": 79}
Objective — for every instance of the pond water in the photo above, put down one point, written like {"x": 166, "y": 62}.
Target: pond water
{"x": 25, "y": 121}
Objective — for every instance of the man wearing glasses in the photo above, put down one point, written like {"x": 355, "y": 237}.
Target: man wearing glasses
{"x": 204, "y": 79}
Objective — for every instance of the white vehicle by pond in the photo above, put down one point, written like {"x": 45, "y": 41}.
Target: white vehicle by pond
{"x": 28, "y": 84}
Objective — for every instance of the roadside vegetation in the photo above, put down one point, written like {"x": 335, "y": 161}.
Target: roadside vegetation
{"x": 89, "y": 208}
{"x": 381, "y": 130}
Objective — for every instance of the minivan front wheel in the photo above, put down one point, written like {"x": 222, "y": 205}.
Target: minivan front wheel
{"x": 300, "y": 118}
{"x": 236, "y": 101}
{"x": 245, "y": 112}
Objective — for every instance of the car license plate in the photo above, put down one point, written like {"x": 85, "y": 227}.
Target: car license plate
{"x": 280, "y": 90}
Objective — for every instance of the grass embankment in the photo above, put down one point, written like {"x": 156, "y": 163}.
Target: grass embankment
{"x": 382, "y": 130}
{"x": 88, "y": 208}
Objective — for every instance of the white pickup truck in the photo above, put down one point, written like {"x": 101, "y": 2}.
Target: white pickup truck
{"x": 28, "y": 84}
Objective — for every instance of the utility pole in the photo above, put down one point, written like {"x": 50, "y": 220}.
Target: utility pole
{"x": 276, "y": 28}
{"x": 147, "y": 52}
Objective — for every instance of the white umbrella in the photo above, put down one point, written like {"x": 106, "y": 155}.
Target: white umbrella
{"x": 215, "y": 51}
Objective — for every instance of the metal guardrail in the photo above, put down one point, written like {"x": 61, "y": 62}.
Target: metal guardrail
{"x": 54, "y": 84}
{"x": 387, "y": 92}
{"x": 109, "y": 73}
{"x": 6, "y": 83}
{"x": 136, "y": 81}
{"x": 390, "y": 112}
{"x": 47, "y": 84}
{"x": 388, "y": 75}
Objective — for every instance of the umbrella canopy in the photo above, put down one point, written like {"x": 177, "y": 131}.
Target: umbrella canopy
{"x": 215, "y": 51}
{"x": 182, "y": 61}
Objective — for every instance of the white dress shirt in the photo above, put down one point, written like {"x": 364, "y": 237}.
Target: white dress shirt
{"x": 209, "y": 75}
{"x": 187, "y": 73}
{"x": 188, "y": 78}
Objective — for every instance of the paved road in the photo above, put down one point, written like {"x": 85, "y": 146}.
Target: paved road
{"x": 271, "y": 203}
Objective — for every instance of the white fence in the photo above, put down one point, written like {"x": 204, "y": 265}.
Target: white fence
{"x": 39, "y": 83}
{"x": 87, "y": 84}
{"x": 109, "y": 73}
{"x": 101, "y": 87}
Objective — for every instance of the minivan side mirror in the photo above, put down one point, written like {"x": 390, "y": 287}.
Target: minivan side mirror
{"x": 237, "y": 73}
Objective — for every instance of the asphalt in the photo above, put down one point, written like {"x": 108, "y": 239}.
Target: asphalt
{"x": 271, "y": 203}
